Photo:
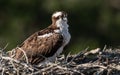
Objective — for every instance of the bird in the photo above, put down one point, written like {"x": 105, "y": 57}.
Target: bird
{"x": 47, "y": 44}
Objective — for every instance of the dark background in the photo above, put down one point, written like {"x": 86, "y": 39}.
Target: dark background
{"x": 93, "y": 23}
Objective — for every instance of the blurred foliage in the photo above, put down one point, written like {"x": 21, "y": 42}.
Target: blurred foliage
{"x": 93, "y": 23}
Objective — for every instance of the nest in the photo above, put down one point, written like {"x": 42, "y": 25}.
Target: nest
{"x": 93, "y": 62}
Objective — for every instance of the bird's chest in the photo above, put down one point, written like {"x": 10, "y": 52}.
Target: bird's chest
{"x": 66, "y": 36}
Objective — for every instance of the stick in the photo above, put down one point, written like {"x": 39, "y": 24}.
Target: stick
{"x": 24, "y": 54}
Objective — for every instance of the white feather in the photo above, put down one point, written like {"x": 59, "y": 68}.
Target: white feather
{"x": 62, "y": 24}
{"x": 45, "y": 35}
{"x": 57, "y": 14}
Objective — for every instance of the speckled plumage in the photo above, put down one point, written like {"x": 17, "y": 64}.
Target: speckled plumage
{"x": 46, "y": 43}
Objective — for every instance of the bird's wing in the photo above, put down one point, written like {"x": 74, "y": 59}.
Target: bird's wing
{"x": 39, "y": 45}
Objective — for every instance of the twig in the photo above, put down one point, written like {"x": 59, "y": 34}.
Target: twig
{"x": 8, "y": 58}
{"x": 24, "y": 54}
{"x": 14, "y": 67}
{"x": 104, "y": 47}
{"x": 80, "y": 53}
{"x": 92, "y": 51}
{"x": 5, "y": 46}
{"x": 11, "y": 59}
{"x": 4, "y": 49}
{"x": 3, "y": 69}
{"x": 12, "y": 53}
{"x": 45, "y": 69}
{"x": 90, "y": 65}
{"x": 67, "y": 57}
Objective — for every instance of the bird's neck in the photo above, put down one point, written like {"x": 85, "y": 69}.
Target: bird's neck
{"x": 63, "y": 26}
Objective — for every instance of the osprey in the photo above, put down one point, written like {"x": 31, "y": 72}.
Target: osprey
{"x": 45, "y": 44}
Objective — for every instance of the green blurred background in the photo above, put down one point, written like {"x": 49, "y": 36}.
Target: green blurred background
{"x": 93, "y": 23}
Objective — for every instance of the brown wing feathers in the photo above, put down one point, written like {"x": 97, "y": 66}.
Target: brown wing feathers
{"x": 37, "y": 48}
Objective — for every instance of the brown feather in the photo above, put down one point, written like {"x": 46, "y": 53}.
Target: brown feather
{"x": 37, "y": 48}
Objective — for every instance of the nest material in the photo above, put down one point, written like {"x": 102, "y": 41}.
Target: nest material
{"x": 93, "y": 62}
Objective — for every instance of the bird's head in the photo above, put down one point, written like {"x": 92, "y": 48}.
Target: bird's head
{"x": 59, "y": 16}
